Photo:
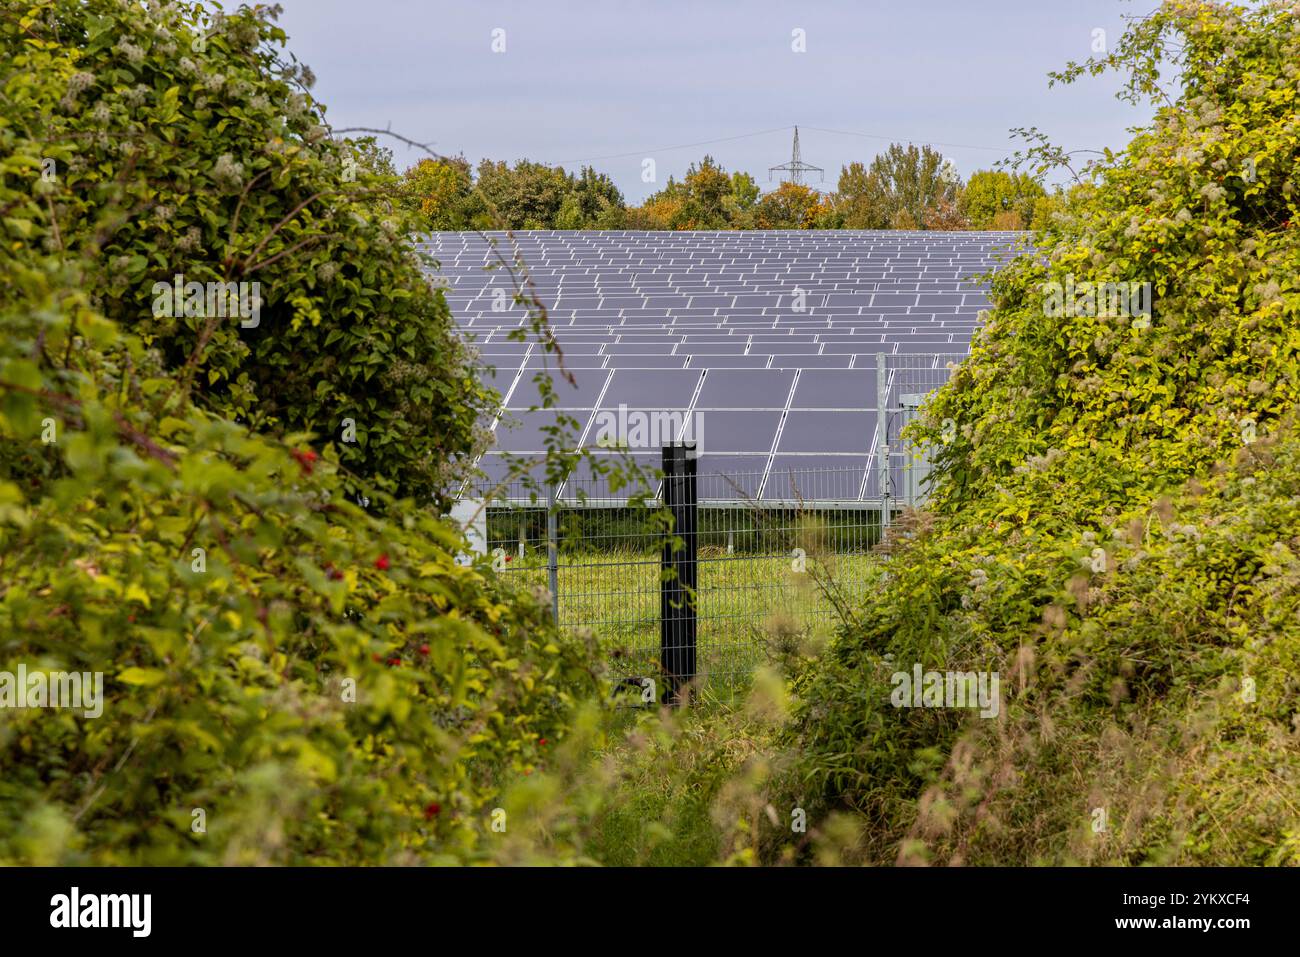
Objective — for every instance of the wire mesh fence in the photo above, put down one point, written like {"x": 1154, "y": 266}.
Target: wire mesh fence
{"x": 599, "y": 560}
{"x": 903, "y": 383}
{"x": 761, "y": 567}
{"x": 776, "y": 568}
{"x": 773, "y": 556}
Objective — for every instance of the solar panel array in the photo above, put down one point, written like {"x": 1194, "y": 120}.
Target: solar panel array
{"x": 765, "y": 342}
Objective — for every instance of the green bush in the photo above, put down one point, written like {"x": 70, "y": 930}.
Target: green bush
{"x": 288, "y": 677}
{"x": 183, "y": 143}
{"x": 1115, "y": 514}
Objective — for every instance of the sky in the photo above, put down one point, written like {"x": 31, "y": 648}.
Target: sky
{"x": 614, "y": 83}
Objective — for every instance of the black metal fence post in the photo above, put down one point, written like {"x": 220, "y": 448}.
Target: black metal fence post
{"x": 679, "y": 572}
{"x": 552, "y": 555}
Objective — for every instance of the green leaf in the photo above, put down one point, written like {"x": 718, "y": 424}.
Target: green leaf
{"x": 146, "y": 677}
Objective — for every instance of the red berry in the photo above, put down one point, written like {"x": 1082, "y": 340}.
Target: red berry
{"x": 424, "y": 649}
{"x": 542, "y": 742}
{"x": 431, "y": 811}
{"x": 394, "y": 661}
{"x": 305, "y": 458}
{"x": 382, "y": 563}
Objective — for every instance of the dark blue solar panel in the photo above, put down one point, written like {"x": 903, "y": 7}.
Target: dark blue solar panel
{"x": 745, "y": 389}
{"x": 652, "y": 388}
{"x": 835, "y": 389}
{"x": 650, "y": 311}
{"x": 583, "y": 393}
{"x": 737, "y": 431}
{"x": 827, "y": 432}
{"x": 526, "y": 431}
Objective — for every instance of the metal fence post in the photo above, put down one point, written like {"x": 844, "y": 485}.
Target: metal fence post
{"x": 679, "y": 571}
{"x": 552, "y": 556}
{"x": 882, "y": 433}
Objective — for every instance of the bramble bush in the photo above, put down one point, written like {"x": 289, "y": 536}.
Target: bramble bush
{"x": 1114, "y": 516}
{"x": 289, "y": 677}
{"x": 178, "y": 142}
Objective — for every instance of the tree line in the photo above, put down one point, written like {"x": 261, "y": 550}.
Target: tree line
{"x": 905, "y": 187}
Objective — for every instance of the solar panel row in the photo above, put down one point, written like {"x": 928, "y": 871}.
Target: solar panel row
{"x": 761, "y": 345}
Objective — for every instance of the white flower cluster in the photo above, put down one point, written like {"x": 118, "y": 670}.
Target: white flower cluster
{"x": 1268, "y": 292}
{"x": 978, "y": 585}
{"x": 77, "y": 84}
{"x": 243, "y": 35}
{"x": 136, "y": 95}
{"x": 1189, "y": 532}
{"x": 190, "y": 241}
{"x": 162, "y": 12}
{"x": 228, "y": 173}
{"x": 298, "y": 72}
{"x": 1185, "y": 535}
{"x": 1040, "y": 463}
{"x": 129, "y": 51}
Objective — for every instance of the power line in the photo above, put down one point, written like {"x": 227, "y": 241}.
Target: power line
{"x": 908, "y": 139}
{"x": 683, "y": 146}
{"x": 778, "y": 129}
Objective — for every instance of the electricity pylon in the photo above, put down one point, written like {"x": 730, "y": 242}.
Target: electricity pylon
{"x": 796, "y": 167}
